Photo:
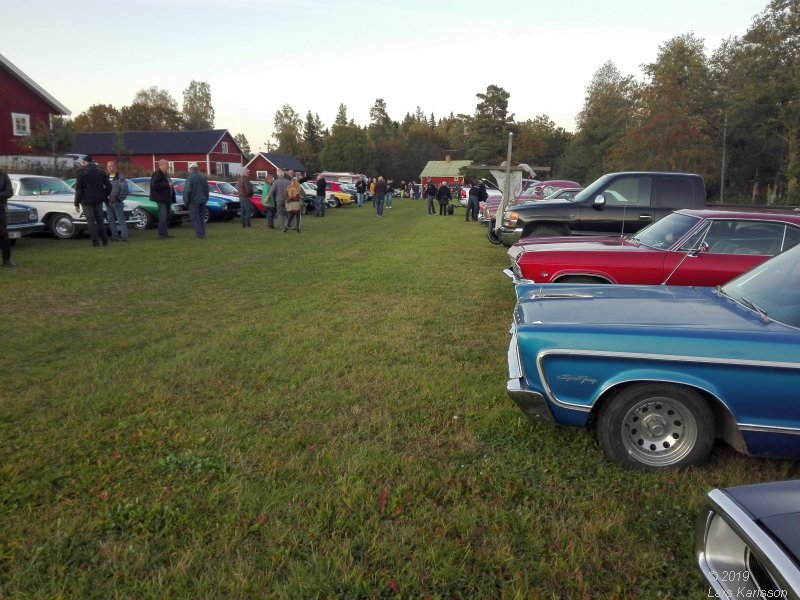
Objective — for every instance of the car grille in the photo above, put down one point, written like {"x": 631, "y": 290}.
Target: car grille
{"x": 516, "y": 269}
{"x": 762, "y": 577}
{"x": 16, "y": 217}
{"x": 232, "y": 206}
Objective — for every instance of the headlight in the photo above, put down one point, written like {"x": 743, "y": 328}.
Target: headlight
{"x": 510, "y": 219}
{"x": 33, "y": 215}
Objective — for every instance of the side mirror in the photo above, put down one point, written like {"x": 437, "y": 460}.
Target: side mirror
{"x": 702, "y": 248}
{"x": 599, "y": 201}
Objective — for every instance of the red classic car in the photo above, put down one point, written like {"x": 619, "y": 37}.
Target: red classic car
{"x": 688, "y": 247}
{"x": 542, "y": 189}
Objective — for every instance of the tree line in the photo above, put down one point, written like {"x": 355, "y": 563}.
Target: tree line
{"x": 732, "y": 116}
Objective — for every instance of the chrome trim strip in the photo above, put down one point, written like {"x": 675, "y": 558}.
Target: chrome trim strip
{"x": 783, "y": 569}
{"x": 654, "y": 357}
{"x": 769, "y": 429}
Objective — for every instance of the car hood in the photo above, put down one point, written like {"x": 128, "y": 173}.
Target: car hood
{"x": 776, "y": 506}
{"x": 572, "y": 244}
{"x": 629, "y": 306}
{"x": 539, "y": 203}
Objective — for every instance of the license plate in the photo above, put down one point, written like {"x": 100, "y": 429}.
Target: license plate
{"x": 13, "y": 235}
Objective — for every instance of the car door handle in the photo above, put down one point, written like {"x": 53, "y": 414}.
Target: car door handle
{"x": 645, "y": 217}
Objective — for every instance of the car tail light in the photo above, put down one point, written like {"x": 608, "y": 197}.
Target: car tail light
{"x": 510, "y": 219}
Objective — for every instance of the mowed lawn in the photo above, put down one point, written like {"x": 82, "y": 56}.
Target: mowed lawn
{"x": 320, "y": 415}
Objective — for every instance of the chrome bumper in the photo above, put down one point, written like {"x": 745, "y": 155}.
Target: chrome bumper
{"x": 533, "y": 404}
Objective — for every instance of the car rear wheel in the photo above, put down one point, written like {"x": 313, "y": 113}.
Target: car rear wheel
{"x": 146, "y": 220}
{"x": 653, "y": 426}
{"x": 206, "y": 215}
{"x": 333, "y": 202}
{"x": 63, "y": 227}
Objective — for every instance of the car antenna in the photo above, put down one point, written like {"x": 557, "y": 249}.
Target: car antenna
{"x": 692, "y": 251}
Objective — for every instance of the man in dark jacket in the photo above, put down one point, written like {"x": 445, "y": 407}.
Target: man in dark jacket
{"x": 162, "y": 192}
{"x": 360, "y": 188}
{"x": 444, "y": 196}
{"x": 91, "y": 191}
{"x": 6, "y": 191}
{"x": 319, "y": 203}
{"x": 430, "y": 194}
{"x": 477, "y": 194}
{"x": 195, "y": 195}
{"x": 245, "y": 190}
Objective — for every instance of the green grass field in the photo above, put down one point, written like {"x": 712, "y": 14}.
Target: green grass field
{"x": 320, "y": 415}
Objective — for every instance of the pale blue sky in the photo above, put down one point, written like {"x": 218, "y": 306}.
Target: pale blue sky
{"x": 315, "y": 54}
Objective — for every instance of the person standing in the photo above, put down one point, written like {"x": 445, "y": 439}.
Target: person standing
{"x": 360, "y": 187}
{"x": 319, "y": 201}
{"x": 379, "y": 195}
{"x": 245, "y": 190}
{"x": 430, "y": 194}
{"x": 294, "y": 204}
{"x": 268, "y": 202}
{"x": 162, "y": 192}
{"x": 278, "y": 192}
{"x": 444, "y": 197}
{"x": 6, "y": 191}
{"x": 115, "y": 203}
{"x": 477, "y": 193}
{"x": 389, "y": 193}
{"x": 195, "y": 195}
{"x": 91, "y": 191}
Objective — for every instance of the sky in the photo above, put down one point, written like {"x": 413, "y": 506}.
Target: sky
{"x": 259, "y": 55}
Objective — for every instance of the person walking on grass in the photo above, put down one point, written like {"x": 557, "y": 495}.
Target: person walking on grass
{"x": 294, "y": 205}
{"x": 115, "y": 203}
{"x": 319, "y": 201}
{"x": 162, "y": 192}
{"x": 380, "y": 195}
{"x": 91, "y": 191}
{"x": 360, "y": 187}
{"x": 278, "y": 193}
{"x": 195, "y": 194}
{"x": 6, "y": 191}
{"x": 268, "y": 202}
{"x": 245, "y": 190}
{"x": 389, "y": 193}
{"x": 444, "y": 197}
{"x": 430, "y": 195}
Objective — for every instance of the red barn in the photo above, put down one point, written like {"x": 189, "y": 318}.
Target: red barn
{"x": 24, "y": 107}
{"x": 269, "y": 162}
{"x": 215, "y": 151}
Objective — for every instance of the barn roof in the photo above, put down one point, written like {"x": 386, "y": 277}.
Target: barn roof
{"x": 151, "y": 142}
{"x": 444, "y": 168}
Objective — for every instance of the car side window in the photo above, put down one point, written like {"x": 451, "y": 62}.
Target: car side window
{"x": 675, "y": 192}
{"x": 629, "y": 191}
{"x": 791, "y": 238}
{"x": 758, "y": 238}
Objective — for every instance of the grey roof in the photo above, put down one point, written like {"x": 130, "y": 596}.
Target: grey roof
{"x": 151, "y": 142}
{"x": 283, "y": 161}
{"x": 33, "y": 85}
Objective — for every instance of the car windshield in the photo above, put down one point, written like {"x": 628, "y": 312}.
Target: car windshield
{"x": 664, "y": 233}
{"x": 226, "y": 188}
{"x": 43, "y": 186}
{"x": 592, "y": 190}
{"x": 134, "y": 189}
{"x": 772, "y": 289}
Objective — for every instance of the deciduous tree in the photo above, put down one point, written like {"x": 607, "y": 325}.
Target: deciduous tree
{"x": 198, "y": 113}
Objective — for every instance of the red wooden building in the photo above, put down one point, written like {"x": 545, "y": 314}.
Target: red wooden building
{"x": 269, "y": 162}
{"x": 215, "y": 151}
{"x": 24, "y": 107}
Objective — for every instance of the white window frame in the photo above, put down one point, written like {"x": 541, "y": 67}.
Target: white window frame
{"x": 18, "y": 119}
{"x": 170, "y": 166}
{"x": 261, "y": 175}
{"x": 219, "y": 168}
{"x": 224, "y": 147}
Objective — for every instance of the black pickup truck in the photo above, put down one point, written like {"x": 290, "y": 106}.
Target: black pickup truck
{"x": 614, "y": 204}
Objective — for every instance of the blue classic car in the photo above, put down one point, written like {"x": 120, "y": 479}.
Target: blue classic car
{"x": 661, "y": 372}
{"x": 21, "y": 219}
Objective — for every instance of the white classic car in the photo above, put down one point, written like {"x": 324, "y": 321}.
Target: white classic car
{"x": 54, "y": 201}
